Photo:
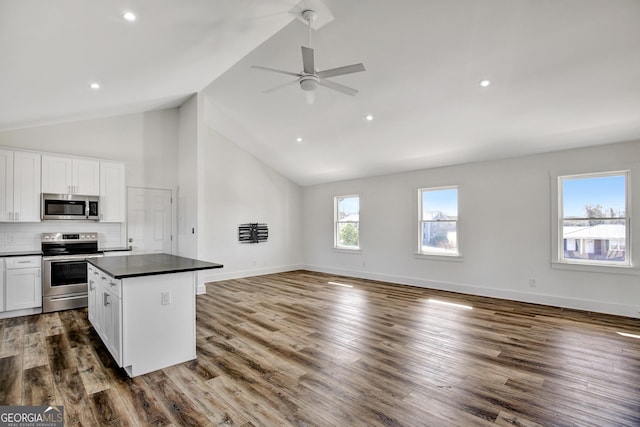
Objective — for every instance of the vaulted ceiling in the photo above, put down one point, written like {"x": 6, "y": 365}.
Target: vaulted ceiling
{"x": 563, "y": 73}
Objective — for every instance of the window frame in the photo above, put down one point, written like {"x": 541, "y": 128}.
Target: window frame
{"x": 436, "y": 255}
{"x": 337, "y": 222}
{"x": 558, "y": 259}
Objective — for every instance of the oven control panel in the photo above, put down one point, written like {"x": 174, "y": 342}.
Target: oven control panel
{"x": 70, "y": 237}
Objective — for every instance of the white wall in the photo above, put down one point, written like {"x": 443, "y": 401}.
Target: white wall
{"x": 234, "y": 187}
{"x": 146, "y": 142}
{"x": 188, "y": 179}
{"x": 504, "y": 231}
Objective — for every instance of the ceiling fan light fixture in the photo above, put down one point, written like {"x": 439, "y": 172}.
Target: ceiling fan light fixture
{"x": 309, "y": 83}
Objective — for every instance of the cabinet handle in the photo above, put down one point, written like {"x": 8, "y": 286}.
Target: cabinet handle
{"x": 105, "y": 300}
{"x": 113, "y": 284}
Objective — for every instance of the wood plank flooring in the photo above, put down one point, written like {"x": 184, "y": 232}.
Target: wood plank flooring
{"x": 292, "y": 349}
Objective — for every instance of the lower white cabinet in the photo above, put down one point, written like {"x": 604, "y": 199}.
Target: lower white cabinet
{"x": 105, "y": 310}
{"x": 1, "y": 285}
{"x": 23, "y": 283}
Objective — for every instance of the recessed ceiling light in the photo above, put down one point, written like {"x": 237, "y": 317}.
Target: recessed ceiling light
{"x": 129, "y": 16}
{"x": 298, "y": 139}
{"x": 369, "y": 117}
{"x": 95, "y": 86}
{"x": 485, "y": 83}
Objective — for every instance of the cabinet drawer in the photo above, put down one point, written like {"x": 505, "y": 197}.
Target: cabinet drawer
{"x": 110, "y": 284}
{"x": 23, "y": 262}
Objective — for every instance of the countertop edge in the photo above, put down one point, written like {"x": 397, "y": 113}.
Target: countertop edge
{"x": 17, "y": 254}
{"x": 158, "y": 273}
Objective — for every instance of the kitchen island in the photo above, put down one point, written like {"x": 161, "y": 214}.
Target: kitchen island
{"x": 143, "y": 308}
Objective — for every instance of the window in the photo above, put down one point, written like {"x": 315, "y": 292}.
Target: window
{"x": 438, "y": 221}
{"x": 347, "y": 222}
{"x": 594, "y": 219}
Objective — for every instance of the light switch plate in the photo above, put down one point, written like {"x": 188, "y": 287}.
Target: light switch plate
{"x": 166, "y": 298}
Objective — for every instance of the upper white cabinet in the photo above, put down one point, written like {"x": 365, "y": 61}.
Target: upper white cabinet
{"x": 63, "y": 175}
{"x": 19, "y": 186}
{"x": 112, "y": 192}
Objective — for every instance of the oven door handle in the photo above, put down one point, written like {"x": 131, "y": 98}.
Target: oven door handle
{"x": 70, "y": 257}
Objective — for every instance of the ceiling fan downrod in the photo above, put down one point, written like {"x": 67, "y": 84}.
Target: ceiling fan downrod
{"x": 309, "y": 16}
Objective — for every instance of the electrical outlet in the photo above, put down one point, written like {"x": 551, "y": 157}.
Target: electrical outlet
{"x": 165, "y": 298}
{"x": 532, "y": 283}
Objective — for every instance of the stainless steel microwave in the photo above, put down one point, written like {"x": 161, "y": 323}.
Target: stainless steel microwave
{"x": 69, "y": 206}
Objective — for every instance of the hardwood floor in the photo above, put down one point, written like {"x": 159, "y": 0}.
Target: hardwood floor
{"x": 292, "y": 349}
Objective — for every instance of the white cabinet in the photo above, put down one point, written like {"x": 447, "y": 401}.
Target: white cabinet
{"x": 112, "y": 192}
{"x": 111, "y": 327}
{"x": 19, "y": 186}
{"x": 23, "y": 284}
{"x": 64, "y": 175}
{"x": 1, "y": 285}
{"x": 105, "y": 310}
{"x": 95, "y": 313}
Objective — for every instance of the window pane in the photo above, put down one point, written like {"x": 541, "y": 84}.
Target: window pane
{"x": 594, "y": 197}
{"x": 440, "y": 204}
{"x": 349, "y": 208}
{"x": 348, "y": 234}
{"x": 439, "y": 237}
{"x": 601, "y": 240}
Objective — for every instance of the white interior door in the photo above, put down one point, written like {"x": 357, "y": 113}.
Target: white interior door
{"x": 149, "y": 220}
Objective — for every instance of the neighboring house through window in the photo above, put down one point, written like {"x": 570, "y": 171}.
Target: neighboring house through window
{"x": 347, "y": 222}
{"x": 594, "y": 219}
{"x": 438, "y": 228}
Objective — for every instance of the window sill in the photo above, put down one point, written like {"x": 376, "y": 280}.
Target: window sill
{"x": 454, "y": 258}
{"x": 347, "y": 250}
{"x": 608, "y": 269}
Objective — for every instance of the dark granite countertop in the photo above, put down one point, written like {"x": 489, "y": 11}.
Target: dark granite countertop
{"x": 122, "y": 267}
{"x": 20, "y": 253}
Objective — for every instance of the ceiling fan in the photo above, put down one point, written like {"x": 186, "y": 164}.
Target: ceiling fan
{"x": 310, "y": 78}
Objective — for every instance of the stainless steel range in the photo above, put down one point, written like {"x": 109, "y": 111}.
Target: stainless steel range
{"x": 64, "y": 266}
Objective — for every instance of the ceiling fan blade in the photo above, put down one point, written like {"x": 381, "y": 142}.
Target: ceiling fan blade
{"x": 337, "y": 86}
{"x": 259, "y": 67}
{"x": 348, "y": 69}
{"x": 273, "y": 89}
{"x": 307, "y": 60}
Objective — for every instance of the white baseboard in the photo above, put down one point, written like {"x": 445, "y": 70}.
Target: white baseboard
{"x": 219, "y": 275}
{"x": 23, "y": 312}
{"x": 550, "y": 300}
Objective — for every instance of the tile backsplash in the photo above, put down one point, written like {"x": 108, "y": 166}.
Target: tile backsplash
{"x": 23, "y": 236}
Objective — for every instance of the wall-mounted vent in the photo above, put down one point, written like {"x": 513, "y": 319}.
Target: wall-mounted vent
{"x": 253, "y": 233}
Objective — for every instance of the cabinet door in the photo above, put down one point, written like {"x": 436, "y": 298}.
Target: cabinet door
{"x": 26, "y": 187}
{"x": 57, "y": 175}
{"x": 1, "y": 285}
{"x": 111, "y": 324}
{"x": 86, "y": 177}
{"x": 94, "y": 308}
{"x": 23, "y": 288}
{"x": 6, "y": 185}
{"x": 112, "y": 192}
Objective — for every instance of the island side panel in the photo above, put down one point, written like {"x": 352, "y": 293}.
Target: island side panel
{"x": 158, "y": 331}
